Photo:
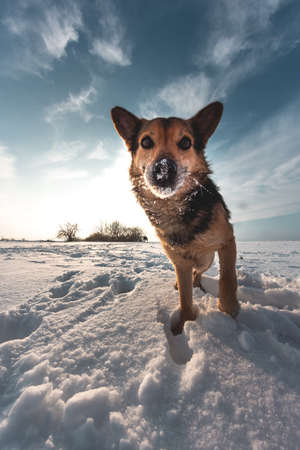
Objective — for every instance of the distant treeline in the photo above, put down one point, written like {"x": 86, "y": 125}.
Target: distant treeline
{"x": 116, "y": 232}
{"x": 108, "y": 232}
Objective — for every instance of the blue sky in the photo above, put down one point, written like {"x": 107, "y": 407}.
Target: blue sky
{"x": 63, "y": 65}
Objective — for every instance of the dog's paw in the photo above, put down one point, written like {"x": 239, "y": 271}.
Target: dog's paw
{"x": 179, "y": 317}
{"x": 176, "y": 323}
{"x": 231, "y": 308}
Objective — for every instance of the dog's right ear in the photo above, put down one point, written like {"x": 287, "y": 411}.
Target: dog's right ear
{"x": 127, "y": 125}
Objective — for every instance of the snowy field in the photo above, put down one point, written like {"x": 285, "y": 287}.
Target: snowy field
{"x": 87, "y": 360}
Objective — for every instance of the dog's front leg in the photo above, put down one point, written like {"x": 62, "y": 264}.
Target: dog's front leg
{"x": 185, "y": 287}
{"x": 228, "y": 284}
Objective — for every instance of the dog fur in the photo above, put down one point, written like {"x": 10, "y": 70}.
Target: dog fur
{"x": 170, "y": 178}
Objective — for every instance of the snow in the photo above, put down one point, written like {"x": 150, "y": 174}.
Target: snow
{"x": 87, "y": 359}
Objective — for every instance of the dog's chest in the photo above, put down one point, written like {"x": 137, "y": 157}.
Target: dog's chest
{"x": 163, "y": 214}
{"x": 176, "y": 221}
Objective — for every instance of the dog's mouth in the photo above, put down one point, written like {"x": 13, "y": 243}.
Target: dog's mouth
{"x": 164, "y": 177}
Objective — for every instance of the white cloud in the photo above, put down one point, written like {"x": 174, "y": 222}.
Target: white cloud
{"x": 225, "y": 49}
{"x": 112, "y": 46}
{"x": 67, "y": 174}
{"x": 289, "y": 169}
{"x": 58, "y": 30}
{"x": 241, "y": 40}
{"x": 260, "y": 175}
{"x": 183, "y": 97}
{"x": 39, "y": 34}
{"x": 238, "y": 26}
{"x": 65, "y": 151}
{"x": 73, "y": 104}
{"x": 111, "y": 52}
{"x": 98, "y": 152}
{"x": 7, "y": 164}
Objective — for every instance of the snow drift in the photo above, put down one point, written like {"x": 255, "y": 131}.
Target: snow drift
{"x": 87, "y": 360}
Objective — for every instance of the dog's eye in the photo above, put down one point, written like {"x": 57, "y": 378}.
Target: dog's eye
{"x": 147, "y": 142}
{"x": 185, "y": 143}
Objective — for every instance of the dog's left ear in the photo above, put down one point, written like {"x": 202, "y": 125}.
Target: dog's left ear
{"x": 126, "y": 124}
{"x": 206, "y": 121}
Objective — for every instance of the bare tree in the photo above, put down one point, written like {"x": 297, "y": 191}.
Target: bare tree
{"x": 68, "y": 232}
{"x": 136, "y": 234}
{"x": 117, "y": 232}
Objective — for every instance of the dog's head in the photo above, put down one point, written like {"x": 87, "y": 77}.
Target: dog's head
{"x": 167, "y": 152}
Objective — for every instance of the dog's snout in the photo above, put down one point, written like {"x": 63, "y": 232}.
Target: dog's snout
{"x": 164, "y": 172}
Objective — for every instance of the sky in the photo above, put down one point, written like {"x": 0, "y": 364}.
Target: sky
{"x": 64, "y": 65}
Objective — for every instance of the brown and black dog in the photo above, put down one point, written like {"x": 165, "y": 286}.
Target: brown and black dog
{"x": 170, "y": 178}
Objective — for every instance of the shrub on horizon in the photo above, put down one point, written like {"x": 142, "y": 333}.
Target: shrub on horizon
{"x": 117, "y": 232}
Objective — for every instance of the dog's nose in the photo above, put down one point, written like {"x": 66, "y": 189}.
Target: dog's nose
{"x": 164, "y": 172}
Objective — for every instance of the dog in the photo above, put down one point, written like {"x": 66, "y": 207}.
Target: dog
{"x": 171, "y": 181}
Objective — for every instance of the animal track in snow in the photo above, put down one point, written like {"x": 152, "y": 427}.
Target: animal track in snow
{"x": 67, "y": 275}
{"x": 71, "y": 291}
{"x": 18, "y": 324}
{"x": 62, "y": 290}
{"x": 122, "y": 285}
{"x": 101, "y": 280}
{"x": 179, "y": 348}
